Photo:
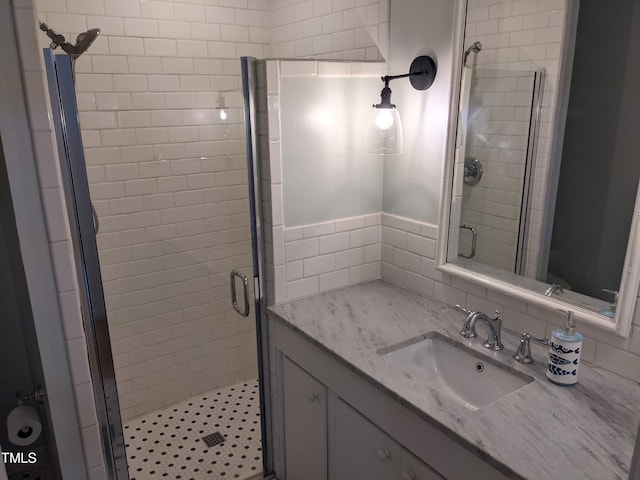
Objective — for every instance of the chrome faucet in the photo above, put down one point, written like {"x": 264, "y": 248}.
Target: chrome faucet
{"x": 494, "y": 328}
{"x": 553, "y": 289}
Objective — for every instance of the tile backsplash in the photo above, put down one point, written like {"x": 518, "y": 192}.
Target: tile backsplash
{"x": 408, "y": 260}
{"x": 329, "y": 255}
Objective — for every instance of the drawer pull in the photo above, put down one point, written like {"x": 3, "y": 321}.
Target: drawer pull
{"x": 313, "y": 396}
{"x": 409, "y": 475}
{"x": 384, "y": 454}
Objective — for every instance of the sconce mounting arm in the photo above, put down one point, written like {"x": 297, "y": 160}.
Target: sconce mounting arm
{"x": 422, "y": 73}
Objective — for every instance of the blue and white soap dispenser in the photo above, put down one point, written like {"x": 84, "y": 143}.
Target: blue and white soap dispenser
{"x": 565, "y": 346}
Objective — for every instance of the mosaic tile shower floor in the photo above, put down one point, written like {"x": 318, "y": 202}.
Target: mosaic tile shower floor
{"x": 169, "y": 443}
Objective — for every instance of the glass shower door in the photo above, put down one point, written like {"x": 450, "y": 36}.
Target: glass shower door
{"x": 499, "y": 145}
{"x": 166, "y": 232}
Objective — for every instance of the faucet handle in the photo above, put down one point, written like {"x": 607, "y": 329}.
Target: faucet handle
{"x": 468, "y": 330}
{"x": 523, "y": 353}
{"x": 460, "y": 308}
{"x": 494, "y": 327}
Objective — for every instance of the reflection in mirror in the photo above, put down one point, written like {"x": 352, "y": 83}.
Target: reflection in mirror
{"x": 496, "y": 111}
{"x": 546, "y": 171}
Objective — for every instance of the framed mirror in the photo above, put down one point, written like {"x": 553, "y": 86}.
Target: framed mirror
{"x": 540, "y": 193}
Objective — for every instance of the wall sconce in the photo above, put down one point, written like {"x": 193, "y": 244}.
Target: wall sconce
{"x": 221, "y": 107}
{"x": 384, "y": 128}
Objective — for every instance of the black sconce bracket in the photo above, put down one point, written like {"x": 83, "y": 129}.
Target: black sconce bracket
{"x": 422, "y": 73}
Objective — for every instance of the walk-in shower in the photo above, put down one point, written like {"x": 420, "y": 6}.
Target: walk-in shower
{"x": 175, "y": 368}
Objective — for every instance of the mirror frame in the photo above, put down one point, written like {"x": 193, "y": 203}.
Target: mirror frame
{"x": 630, "y": 277}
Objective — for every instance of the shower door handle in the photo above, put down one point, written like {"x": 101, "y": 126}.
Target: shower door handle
{"x": 474, "y": 240}
{"x": 96, "y": 219}
{"x": 234, "y": 296}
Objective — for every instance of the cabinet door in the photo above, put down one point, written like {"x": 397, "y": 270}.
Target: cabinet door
{"x": 414, "y": 469}
{"x": 305, "y": 424}
{"x": 361, "y": 450}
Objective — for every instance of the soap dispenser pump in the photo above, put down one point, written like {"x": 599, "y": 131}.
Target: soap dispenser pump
{"x": 565, "y": 347}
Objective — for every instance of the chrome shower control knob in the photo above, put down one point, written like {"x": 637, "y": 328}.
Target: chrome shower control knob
{"x": 313, "y": 396}
{"x": 384, "y": 454}
{"x": 409, "y": 475}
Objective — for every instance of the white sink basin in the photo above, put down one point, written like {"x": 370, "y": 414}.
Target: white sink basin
{"x": 455, "y": 369}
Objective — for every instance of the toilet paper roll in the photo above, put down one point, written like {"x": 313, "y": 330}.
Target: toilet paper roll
{"x": 23, "y": 425}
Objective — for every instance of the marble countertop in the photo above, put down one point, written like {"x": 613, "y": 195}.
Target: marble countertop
{"x": 541, "y": 431}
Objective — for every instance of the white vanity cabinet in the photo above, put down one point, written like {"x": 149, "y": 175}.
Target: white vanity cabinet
{"x": 305, "y": 424}
{"x": 337, "y": 425}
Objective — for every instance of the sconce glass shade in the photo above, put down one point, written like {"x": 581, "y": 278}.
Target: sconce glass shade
{"x": 384, "y": 131}
{"x": 384, "y": 128}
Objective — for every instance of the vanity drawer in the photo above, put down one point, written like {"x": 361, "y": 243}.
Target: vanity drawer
{"x": 359, "y": 449}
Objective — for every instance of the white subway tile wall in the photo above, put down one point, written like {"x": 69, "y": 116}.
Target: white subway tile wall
{"x": 324, "y": 260}
{"x": 330, "y": 29}
{"x": 308, "y": 259}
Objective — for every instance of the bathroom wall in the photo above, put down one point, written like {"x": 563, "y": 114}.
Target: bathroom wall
{"x": 412, "y": 179}
{"x": 323, "y": 191}
{"x": 326, "y": 172}
{"x": 330, "y": 29}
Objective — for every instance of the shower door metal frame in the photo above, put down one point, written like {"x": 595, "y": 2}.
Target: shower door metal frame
{"x": 81, "y": 222}
{"x": 249, "y": 86}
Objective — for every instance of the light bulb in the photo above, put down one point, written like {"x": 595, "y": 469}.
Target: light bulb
{"x": 384, "y": 119}
{"x": 223, "y": 114}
